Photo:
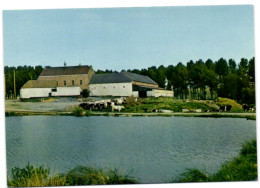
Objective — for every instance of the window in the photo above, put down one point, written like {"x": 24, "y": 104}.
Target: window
{"x": 80, "y": 82}
{"x": 64, "y": 82}
{"x": 54, "y": 90}
{"x": 73, "y": 82}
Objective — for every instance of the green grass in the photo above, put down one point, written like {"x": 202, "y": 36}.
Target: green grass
{"x": 241, "y": 168}
{"x": 34, "y": 177}
{"x": 168, "y": 103}
{"x": 78, "y": 111}
{"x": 235, "y": 107}
{"x": 37, "y": 177}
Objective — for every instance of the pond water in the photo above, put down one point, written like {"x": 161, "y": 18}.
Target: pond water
{"x": 151, "y": 149}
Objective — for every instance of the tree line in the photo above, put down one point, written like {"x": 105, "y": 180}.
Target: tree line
{"x": 207, "y": 80}
{"x": 16, "y": 77}
{"x": 196, "y": 80}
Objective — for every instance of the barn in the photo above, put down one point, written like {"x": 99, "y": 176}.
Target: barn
{"x": 58, "y": 81}
{"x": 68, "y": 76}
{"x": 125, "y": 84}
{"x": 46, "y": 88}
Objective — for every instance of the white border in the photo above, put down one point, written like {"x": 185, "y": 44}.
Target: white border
{"x": 50, "y": 4}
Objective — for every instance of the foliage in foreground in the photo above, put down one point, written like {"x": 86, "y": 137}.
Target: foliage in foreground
{"x": 35, "y": 177}
{"x": 241, "y": 168}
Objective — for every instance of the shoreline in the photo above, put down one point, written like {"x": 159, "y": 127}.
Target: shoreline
{"x": 127, "y": 114}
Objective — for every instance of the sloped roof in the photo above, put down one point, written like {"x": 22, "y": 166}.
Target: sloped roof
{"x": 72, "y": 70}
{"x": 109, "y": 78}
{"x": 121, "y": 77}
{"x": 40, "y": 84}
{"x": 138, "y": 77}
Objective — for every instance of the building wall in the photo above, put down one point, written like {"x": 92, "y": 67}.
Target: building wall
{"x": 68, "y": 78}
{"x": 26, "y": 93}
{"x": 162, "y": 93}
{"x": 67, "y": 91}
{"x": 135, "y": 93}
{"x": 111, "y": 89}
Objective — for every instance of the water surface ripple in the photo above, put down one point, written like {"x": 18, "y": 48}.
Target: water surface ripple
{"x": 153, "y": 149}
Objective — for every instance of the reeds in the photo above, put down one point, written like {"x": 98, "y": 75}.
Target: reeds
{"x": 37, "y": 177}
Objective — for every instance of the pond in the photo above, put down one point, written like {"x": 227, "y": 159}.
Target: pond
{"x": 151, "y": 149}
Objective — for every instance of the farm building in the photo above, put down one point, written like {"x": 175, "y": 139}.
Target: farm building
{"x": 125, "y": 84}
{"x": 70, "y": 76}
{"x": 46, "y": 88}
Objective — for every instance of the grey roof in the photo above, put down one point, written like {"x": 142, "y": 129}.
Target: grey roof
{"x": 121, "y": 77}
{"x": 40, "y": 84}
{"x": 138, "y": 77}
{"x": 109, "y": 78}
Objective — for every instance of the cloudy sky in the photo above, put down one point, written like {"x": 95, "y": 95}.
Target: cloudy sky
{"x": 127, "y": 38}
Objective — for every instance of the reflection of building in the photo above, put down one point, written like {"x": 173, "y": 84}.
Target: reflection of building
{"x": 125, "y": 84}
{"x": 68, "y": 76}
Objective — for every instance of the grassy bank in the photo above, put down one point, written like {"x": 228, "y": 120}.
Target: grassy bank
{"x": 241, "y": 168}
{"x": 40, "y": 176}
{"x": 143, "y": 105}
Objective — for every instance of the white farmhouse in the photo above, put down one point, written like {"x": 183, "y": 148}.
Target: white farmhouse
{"x": 46, "y": 88}
{"x": 125, "y": 84}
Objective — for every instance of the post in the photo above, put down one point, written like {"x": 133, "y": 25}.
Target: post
{"x": 14, "y": 86}
{"x": 5, "y": 85}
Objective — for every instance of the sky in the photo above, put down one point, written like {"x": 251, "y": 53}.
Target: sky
{"x": 127, "y": 38}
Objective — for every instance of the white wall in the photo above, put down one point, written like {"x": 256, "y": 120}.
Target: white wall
{"x": 135, "y": 94}
{"x": 111, "y": 89}
{"x": 26, "y": 93}
{"x": 67, "y": 91}
{"x": 163, "y": 93}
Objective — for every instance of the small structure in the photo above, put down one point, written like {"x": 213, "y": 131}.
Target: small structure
{"x": 46, "y": 88}
{"x": 125, "y": 84}
{"x": 70, "y": 76}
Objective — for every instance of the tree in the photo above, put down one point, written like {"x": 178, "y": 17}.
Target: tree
{"x": 221, "y": 68}
{"x": 232, "y": 66}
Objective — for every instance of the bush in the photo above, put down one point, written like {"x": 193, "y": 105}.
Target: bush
{"x": 235, "y": 107}
{"x": 90, "y": 176}
{"x": 78, "y": 111}
{"x": 85, "y": 93}
{"x": 38, "y": 177}
{"x": 33, "y": 177}
{"x": 88, "y": 113}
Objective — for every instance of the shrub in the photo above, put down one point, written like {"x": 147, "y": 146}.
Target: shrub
{"x": 38, "y": 177}
{"x": 130, "y": 100}
{"x": 192, "y": 175}
{"x": 88, "y": 113}
{"x": 85, "y": 93}
{"x": 90, "y": 176}
{"x": 235, "y": 107}
{"x": 78, "y": 111}
{"x": 33, "y": 177}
